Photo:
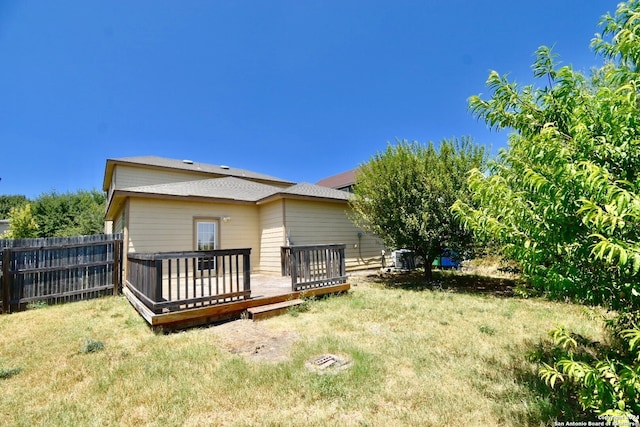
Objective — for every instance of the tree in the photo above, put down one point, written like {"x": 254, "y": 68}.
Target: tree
{"x": 10, "y": 201}
{"x": 564, "y": 197}
{"x": 22, "y": 223}
{"x": 404, "y": 195}
{"x": 70, "y": 214}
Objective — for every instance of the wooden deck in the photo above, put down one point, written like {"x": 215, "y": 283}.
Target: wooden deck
{"x": 265, "y": 290}
{"x": 174, "y": 290}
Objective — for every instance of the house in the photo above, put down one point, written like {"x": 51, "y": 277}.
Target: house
{"x": 162, "y": 204}
{"x": 343, "y": 181}
{"x": 5, "y": 224}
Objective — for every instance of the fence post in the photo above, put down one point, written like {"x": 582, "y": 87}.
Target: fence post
{"x": 6, "y": 281}
{"x": 117, "y": 267}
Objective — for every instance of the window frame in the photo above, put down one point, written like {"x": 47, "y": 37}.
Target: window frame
{"x": 204, "y": 264}
{"x": 216, "y": 235}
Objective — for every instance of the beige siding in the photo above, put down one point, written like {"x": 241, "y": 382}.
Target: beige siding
{"x": 4, "y": 226}
{"x": 157, "y": 225}
{"x": 134, "y": 176}
{"x": 118, "y": 222}
{"x": 272, "y": 236}
{"x": 309, "y": 223}
{"x": 112, "y": 185}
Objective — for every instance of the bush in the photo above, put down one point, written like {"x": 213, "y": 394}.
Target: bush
{"x": 606, "y": 380}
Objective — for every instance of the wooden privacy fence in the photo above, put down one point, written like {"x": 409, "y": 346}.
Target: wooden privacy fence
{"x": 59, "y": 269}
{"x": 314, "y": 266}
{"x": 41, "y": 242}
{"x": 170, "y": 281}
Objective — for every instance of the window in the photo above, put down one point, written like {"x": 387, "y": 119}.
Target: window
{"x": 206, "y": 235}
{"x": 206, "y": 239}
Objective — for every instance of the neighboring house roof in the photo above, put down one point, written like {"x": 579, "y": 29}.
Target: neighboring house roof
{"x": 340, "y": 181}
{"x": 190, "y": 166}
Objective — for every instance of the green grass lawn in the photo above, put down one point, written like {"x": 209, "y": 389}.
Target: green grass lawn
{"x": 419, "y": 356}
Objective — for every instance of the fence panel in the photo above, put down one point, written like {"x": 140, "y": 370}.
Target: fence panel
{"x": 56, "y": 270}
{"x": 55, "y": 241}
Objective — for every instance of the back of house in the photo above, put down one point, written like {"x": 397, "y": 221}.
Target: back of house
{"x": 165, "y": 205}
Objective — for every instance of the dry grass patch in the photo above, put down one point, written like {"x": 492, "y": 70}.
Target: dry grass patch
{"x": 418, "y": 357}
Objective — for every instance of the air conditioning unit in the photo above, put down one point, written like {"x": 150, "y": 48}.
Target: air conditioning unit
{"x": 403, "y": 259}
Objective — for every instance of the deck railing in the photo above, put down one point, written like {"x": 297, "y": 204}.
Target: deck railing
{"x": 170, "y": 281}
{"x": 314, "y": 266}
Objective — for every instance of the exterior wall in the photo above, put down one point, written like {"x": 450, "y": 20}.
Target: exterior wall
{"x": 272, "y": 236}
{"x": 117, "y": 225}
{"x": 134, "y": 176}
{"x": 309, "y": 223}
{"x": 118, "y": 222}
{"x": 5, "y": 224}
{"x": 156, "y": 225}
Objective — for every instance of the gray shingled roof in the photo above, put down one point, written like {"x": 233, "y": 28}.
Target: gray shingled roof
{"x": 236, "y": 189}
{"x": 312, "y": 190}
{"x": 230, "y": 188}
{"x": 198, "y": 167}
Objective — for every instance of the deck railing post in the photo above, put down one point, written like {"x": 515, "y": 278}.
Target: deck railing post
{"x": 307, "y": 265}
{"x": 246, "y": 271}
{"x": 284, "y": 261}
{"x": 157, "y": 292}
{"x": 6, "y": 280}
{"x": 294, "y": 268}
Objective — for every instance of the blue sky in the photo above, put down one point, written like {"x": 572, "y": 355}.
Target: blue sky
{"x": 297, "y": 89}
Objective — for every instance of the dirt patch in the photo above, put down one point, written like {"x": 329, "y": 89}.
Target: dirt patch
{"x": 255, "y": 341}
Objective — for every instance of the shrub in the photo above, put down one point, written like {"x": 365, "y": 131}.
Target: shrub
{"x": 605, "y": 380}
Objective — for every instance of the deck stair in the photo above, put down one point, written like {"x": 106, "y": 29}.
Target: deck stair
{"x": 270, "y": 310}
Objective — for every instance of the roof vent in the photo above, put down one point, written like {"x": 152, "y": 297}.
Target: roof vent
{"x": 188, "y": 162}
{"x": 224, "y": 167}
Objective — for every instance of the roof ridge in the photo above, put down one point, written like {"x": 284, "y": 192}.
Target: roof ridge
{"x": 192, "y": 166}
